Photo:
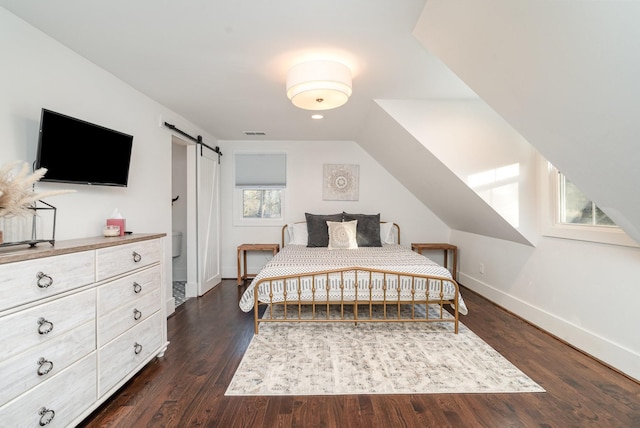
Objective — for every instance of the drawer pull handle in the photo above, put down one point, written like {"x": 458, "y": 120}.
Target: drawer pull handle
{"x": 44, "y": 326}
{"x": 44, "y": 366}
{"x": 46, "y": 416}
{"x": 44, "y": 281}
{"x": 137, "y": 288}
{"x": 137, "y": 314}
{"x": 136, "y": 257}
{"x": 137, "y": 348}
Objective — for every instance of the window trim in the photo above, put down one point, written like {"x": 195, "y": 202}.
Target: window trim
{"x": 550, "y": 215}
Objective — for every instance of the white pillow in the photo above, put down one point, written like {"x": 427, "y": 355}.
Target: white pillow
{"x": 386, "y": 233}
{"x": 298, "y": 234}
{"x": 342, "y": 234}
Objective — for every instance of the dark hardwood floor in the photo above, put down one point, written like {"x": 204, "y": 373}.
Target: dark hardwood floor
{"x": 209, "y": 335}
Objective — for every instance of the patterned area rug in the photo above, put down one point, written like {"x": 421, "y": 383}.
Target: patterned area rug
{"x": 373, "y": 358}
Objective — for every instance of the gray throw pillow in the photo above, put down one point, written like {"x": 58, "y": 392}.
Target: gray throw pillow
{"x": 318, "y": 230}
{"x": 368, "y": 229}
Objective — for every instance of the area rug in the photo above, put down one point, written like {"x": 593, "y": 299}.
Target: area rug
{"x": 373, "y": 358}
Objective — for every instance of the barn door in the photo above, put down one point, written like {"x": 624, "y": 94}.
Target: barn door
{"x": 208, "y": 201}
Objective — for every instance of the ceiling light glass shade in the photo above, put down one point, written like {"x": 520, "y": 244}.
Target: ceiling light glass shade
{"x": 319, "y": 85}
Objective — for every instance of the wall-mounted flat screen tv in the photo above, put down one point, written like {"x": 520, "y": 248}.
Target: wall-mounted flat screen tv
{"x": 76, "y": 151}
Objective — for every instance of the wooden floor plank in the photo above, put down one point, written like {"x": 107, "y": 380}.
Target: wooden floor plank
{"x": 209, "y": 335}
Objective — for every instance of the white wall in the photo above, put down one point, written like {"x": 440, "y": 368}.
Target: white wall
{"x": 533, "y": 63}
{"x": 576, "y": 290}
{"x": 481, "y": 149}
{"x": 415, "y": 165}
{"x": 564, "y": 74}
{"x": 39, "y": 72}
{"x": 585, "y": 293}
{"x": 379, "y": 192}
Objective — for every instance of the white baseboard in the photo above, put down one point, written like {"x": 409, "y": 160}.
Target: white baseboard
{"x": 170, "y": 306}
{"x": 191, "y": 289}
{"x": 612, "y": 354}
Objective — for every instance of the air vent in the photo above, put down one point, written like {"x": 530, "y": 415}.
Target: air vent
{"x": 255, "y": 133}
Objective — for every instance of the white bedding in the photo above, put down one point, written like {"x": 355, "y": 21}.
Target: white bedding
{"x": 298, "y": 259}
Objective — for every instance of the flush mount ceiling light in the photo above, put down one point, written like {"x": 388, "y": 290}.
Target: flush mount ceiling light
{"x": 319, "y": 85}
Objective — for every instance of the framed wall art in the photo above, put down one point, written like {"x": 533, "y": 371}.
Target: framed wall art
{"x": 340, "y": 182}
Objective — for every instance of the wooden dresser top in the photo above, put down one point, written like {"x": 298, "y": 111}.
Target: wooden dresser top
{"x": 19, "y": 253}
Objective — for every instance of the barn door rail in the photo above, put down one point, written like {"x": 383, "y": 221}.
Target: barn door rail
{"x": 197, "y": 139}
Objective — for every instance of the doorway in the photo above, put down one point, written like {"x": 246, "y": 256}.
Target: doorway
{"x": 195, "y": 218}
{"x": 179, "y": 212}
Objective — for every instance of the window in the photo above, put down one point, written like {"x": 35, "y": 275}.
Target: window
{"x": 569, "y": 213}
{"x": 576, "y": 208}
{"x": 261, "y": 203}
{"x": 260, "y": 181}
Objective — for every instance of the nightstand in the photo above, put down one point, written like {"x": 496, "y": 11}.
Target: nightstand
{"x": 420, "y": 247}
{"x": 242, "y": 254}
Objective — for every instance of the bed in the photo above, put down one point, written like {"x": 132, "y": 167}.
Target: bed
{"x": 374, "y": 280}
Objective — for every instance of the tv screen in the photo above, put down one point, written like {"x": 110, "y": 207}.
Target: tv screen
{"x": 75, "y": 151}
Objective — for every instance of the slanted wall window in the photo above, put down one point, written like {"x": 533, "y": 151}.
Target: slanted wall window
{"x": 569, "y": 213}
{"x": 260, "y": 180}
{"x": 576, "y": 208}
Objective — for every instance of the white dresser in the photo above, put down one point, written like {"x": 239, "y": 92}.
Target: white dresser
{"x": 77, "y": 320}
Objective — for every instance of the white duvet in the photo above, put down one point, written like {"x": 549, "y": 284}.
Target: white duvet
{"x": 299, "y": 259}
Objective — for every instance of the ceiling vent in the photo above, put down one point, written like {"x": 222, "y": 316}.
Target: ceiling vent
{"x": 255, "y": 133}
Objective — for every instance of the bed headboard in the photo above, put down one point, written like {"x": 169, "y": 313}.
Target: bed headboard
{"x": 395, "y": 231}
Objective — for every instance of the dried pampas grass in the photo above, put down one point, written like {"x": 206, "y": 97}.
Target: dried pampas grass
{"x": 16, "y": 189}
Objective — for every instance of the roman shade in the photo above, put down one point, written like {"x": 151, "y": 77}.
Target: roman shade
{"x": 260, "y": 170}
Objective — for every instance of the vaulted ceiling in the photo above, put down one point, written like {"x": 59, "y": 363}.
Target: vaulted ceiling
{"x": 561, "y": 73}
{"x": 564, "y": 74}
{"x": 223, "y": 64}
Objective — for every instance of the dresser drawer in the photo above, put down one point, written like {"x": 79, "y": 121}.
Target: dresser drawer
{"x": 116, "y": 322}
{"x": 30, "y": 280}
{"x": 40, "y": 363}
{"x": 127, "y": 290}
{"x": 120, "y": 357}
{"x": 61, "y": 399}
{"x": 120, "y": 259}
{"x": 43, "y": 323}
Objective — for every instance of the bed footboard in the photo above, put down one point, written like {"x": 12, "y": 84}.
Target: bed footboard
{"x": 356, "y": 295}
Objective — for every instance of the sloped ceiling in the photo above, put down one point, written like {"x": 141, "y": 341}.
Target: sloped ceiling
{"x": 223, "y": 64}
{"x": 561, "y": 73}
{"x": 564, "y": 74}
{"x": 432, "y": 182}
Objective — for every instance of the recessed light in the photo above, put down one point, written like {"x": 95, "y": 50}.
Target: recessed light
{"x": 317, "y": 116}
